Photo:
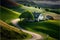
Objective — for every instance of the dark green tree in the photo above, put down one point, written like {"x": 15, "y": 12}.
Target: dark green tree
{"x": 27, "y": 14}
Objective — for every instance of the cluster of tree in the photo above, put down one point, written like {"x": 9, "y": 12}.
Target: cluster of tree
{"x": 27, "y": 14}
{"x": 30, "y": 5}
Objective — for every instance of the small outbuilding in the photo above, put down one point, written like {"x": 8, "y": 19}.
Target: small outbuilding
{"x": 48, "y": 17}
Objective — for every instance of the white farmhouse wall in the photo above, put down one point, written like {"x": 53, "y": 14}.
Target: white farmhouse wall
{"x": 41, "y": 17}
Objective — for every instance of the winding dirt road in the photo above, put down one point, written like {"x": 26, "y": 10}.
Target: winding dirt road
{"x": 34, "y": 35}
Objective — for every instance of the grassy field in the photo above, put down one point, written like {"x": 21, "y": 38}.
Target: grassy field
{"x": 9, "y": 32}
{"x": 7, "y": 15}
{"x": 48, "y": 29}
{"x": 33, "y": 9}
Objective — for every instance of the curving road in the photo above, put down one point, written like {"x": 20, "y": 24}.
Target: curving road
{"x": 34, "y": 35}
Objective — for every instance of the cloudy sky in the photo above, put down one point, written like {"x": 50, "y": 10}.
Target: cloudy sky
{"x": 53, "y": 2}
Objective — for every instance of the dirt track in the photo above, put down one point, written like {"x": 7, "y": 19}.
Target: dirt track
{"x": 34, "y": 35}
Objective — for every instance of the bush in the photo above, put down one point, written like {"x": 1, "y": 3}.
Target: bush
{"x": 53, "y": 10}
{"x": 47, "y": 9}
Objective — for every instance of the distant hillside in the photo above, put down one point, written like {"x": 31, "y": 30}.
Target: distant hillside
{"x": 9, "y": 32}
{"x": 40, "y": 3}
{"x": 13, "y": 4}
{"x": 20, "y": 8}
{"x": 8, "y": 3}
{"x": 27, "y": 3}
{"x": 48, "y": 4}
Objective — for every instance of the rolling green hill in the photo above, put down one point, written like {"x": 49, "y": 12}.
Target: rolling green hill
{"x": 44, "y": 28}
{"x": 7, "y": 15}
{"x": 9, "y": 11}
{"x": 9, "y": 32}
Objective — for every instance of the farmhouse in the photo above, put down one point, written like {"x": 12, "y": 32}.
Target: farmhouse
{"x": 37, "y": 17}
{"x": 31, "y": 17}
